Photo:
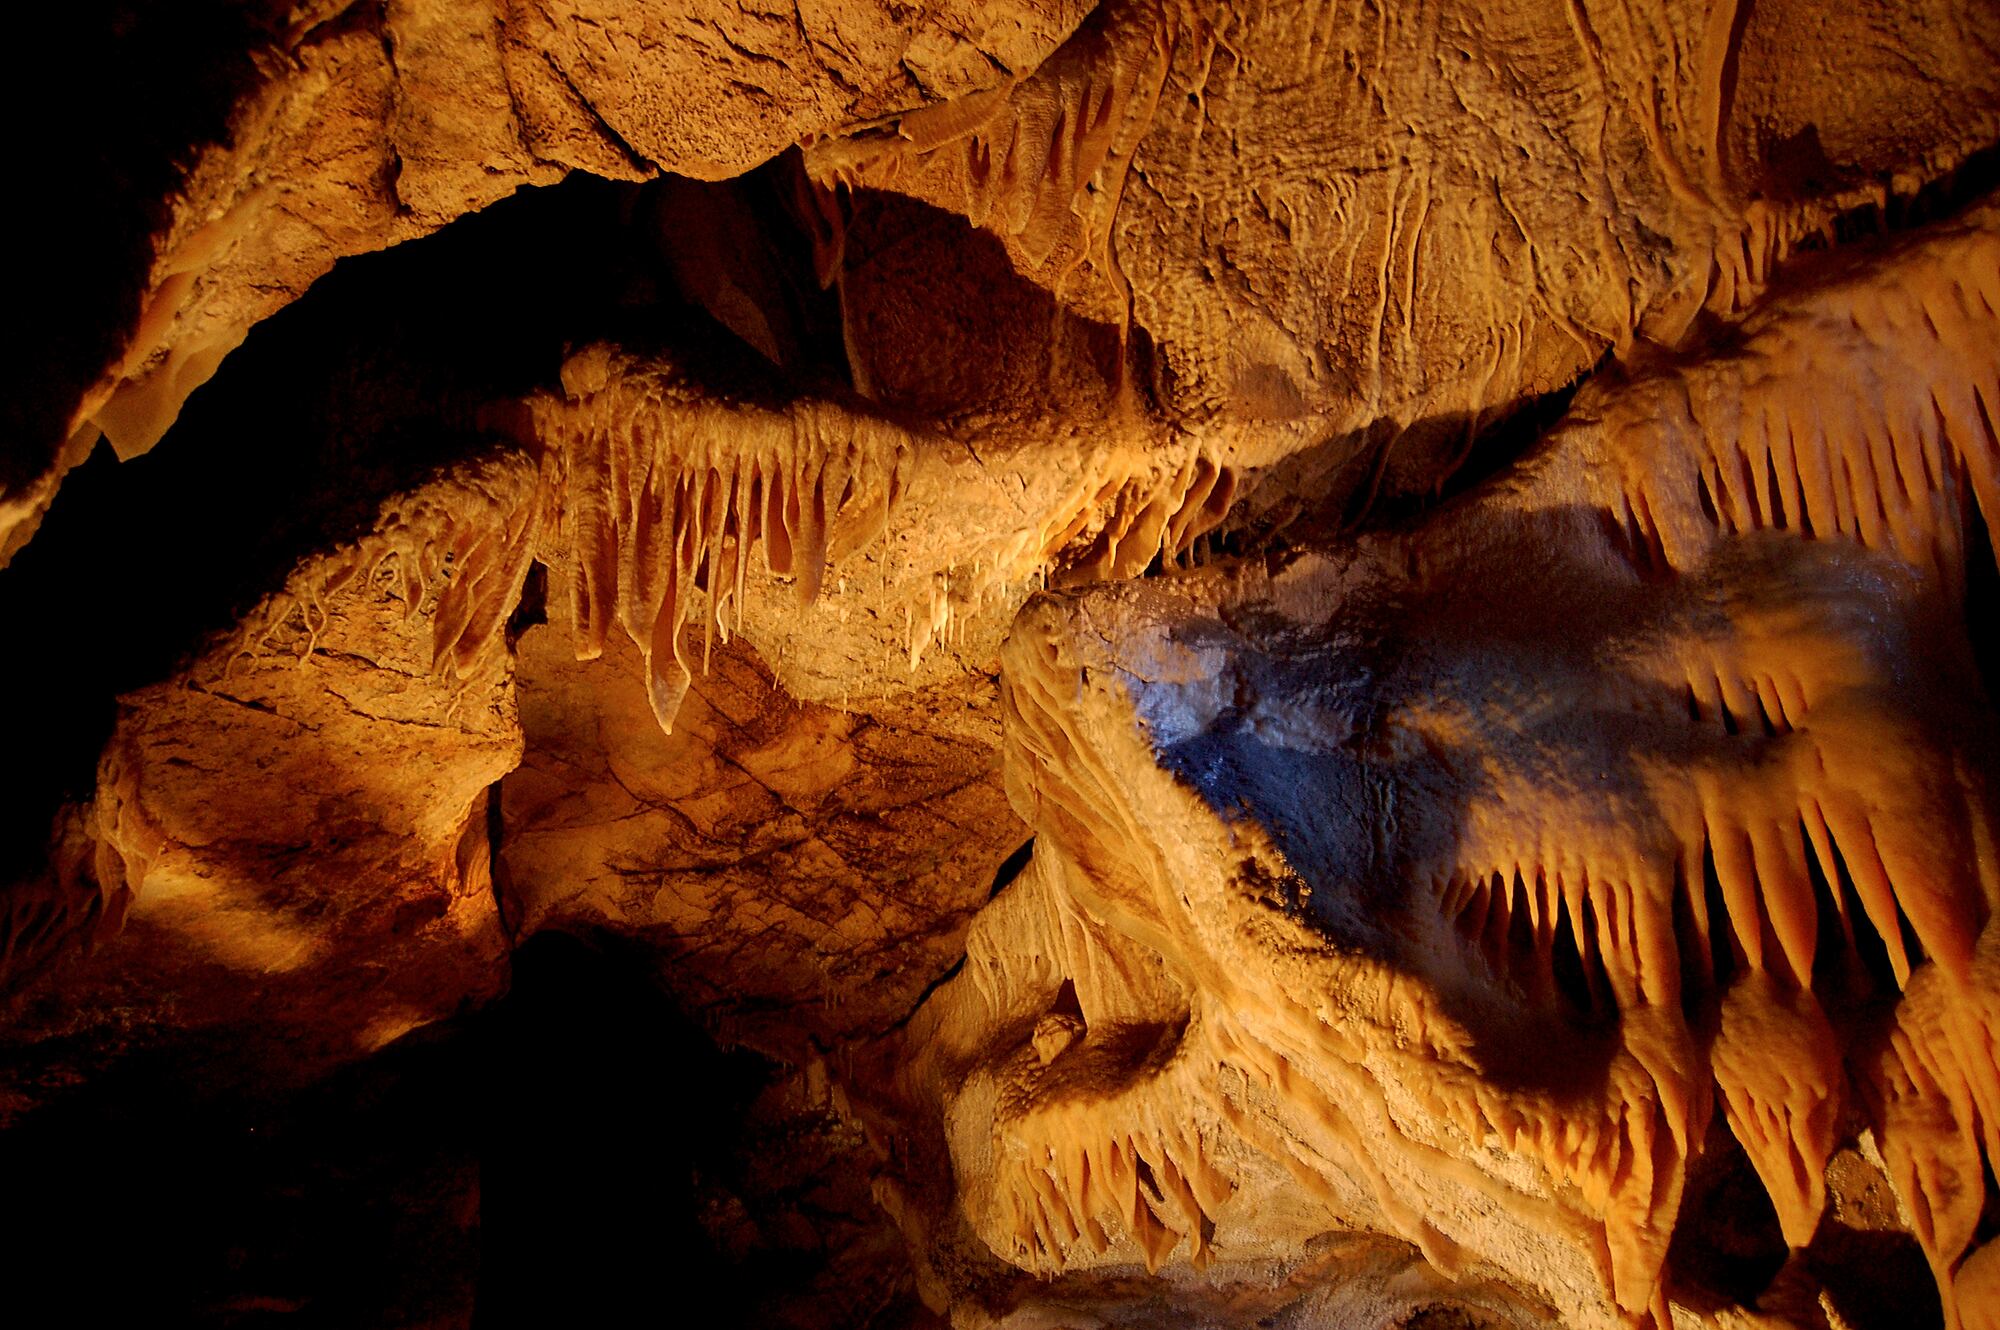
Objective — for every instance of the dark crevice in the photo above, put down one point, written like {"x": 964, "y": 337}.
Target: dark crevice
{"x": 532, "y": 610}
{"x": 1982, "y": 594}
{"x": 1746, "y": 473}
{"x": 1973, "y": 179}
{"x": 1722, "y": 946}
{"x": 1913, "y": 947}
{"x": 1520, "y": 943}
{"x": 1730, "y": 725}
{"x": 1387, "y": 476}
{"x": 1697, "y": 979}
{"x": 496, "y": 833}
{"x": 1872, "y": 1276}
{"x": 1603, "y": 1002}
{"x": 1494, "y": 440}
{"x": 1779, "y": 517}
{"x": 1635, "y": 544}
{"x": 1764, "y": 719}
{"x": 1572, "y": 981}
{"x": 1149, "y": 1188}
{"x": 1870, "y": 222}
{"x": 1011, "y": 867}
{"x": 1726, "y": 1245}
{"x": 1869, "y": 947}
{"x": 1065, "y": 1002}
{"x": 1831, "y": 949}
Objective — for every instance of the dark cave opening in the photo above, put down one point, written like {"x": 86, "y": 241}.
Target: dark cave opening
{"x": 600, "y": 1106}
{"x": 543, "y": 1160}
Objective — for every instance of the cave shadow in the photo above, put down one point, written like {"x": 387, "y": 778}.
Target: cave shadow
{"x": 122, "y": 96}
{"x": 602, "y": 1105}
{"x": 1390, "y": 474}
{"x": 1522, "y": 641}
{"x": 150, "y": 1195}
{"x": 1523, "y": 648}
{"x": 533, "y": 1163}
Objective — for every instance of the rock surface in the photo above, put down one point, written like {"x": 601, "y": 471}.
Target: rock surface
{"x": 1029, "y": 664}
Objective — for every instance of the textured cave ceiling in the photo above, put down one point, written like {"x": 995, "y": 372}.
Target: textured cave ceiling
{"x": 1026, "y": 664}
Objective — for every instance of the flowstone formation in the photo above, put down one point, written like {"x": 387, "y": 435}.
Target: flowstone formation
{"x": 1033, "y": 665}
{"x": 1464, "y": 877}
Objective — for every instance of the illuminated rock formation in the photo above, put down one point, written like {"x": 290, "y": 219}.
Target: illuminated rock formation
{"x": 356, "y": 127}
{"x": 1475, "y": 869}
{"x": 299, "y": 817}
{"x": 1153, "y": 662}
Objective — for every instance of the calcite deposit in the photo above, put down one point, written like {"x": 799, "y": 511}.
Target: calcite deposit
{"x": 1038, "y": 664}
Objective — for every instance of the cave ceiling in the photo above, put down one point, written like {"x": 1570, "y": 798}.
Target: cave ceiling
{"x": 1026, "y": 664}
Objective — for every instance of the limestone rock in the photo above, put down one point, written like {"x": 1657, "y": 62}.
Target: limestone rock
{"x": 1039, "y": 664}
{"x": 359, "y": 127}
{"x": 293, "y": 832}
{"x": 802, "y": 874}
{"x": 1625, "y": 756}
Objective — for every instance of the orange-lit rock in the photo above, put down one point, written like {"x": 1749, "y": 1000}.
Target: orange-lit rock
{"x": 1457, "y": 879}
{"x": 1030, "y": 664}
{"x": 363, "y": 127}
{"x": 292, "y": 833}
{"x": 801, "y": 873}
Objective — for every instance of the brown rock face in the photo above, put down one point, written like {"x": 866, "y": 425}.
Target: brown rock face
{"x": 1029, "y": 664}
{"x": 801, "y": 872}
{"x": 1331, "y": 852}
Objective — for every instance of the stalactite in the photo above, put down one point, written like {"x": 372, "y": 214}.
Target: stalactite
{"x": 456, "y": 552}
{"x": 1156, "y": 515}
{"x": 1041, "y": 160}
{"x": 1859, "y": 408}
{"x": 1862, "y": 408}
{"x": 665, "y": 494}
{"x": 1797, "y": 928}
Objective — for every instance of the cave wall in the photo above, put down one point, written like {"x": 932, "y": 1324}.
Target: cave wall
{"x": 1026, "y": 664}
